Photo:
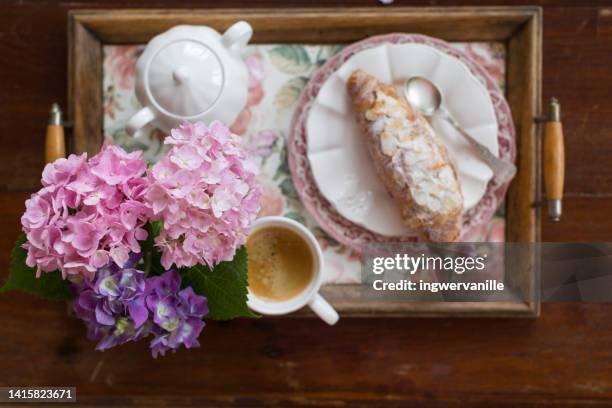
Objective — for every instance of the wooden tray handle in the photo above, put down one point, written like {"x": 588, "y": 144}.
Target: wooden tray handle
{"x": 55, "y": 143}
{"x": 554, "y": 161}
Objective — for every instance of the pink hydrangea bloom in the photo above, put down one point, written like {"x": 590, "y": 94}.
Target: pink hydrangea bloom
{"x": 87, "y": 213}
{"x": 205, "y": 192}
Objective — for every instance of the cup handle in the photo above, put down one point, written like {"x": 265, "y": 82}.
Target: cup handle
{"x": 139, "y": 120}
{"x": 323, "y": 309}
{"x": 237, "y": 36}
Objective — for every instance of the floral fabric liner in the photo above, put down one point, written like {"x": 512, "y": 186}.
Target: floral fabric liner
{"x": 277, "y": 75}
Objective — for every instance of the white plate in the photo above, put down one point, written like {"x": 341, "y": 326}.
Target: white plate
{"x": 338, "y": 156}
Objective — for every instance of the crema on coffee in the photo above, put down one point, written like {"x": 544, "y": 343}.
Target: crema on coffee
{"x": 281, "y": 263}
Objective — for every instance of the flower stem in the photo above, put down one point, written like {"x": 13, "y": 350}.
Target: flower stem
{"x": 147, "y": 263}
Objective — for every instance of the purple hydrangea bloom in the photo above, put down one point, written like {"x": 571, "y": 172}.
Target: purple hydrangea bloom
{"x": 113, "y": 305}
{"x": 177, "y": 314}
{"x": 121, "y": 305}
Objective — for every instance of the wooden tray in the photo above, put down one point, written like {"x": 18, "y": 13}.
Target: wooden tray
{"x": 518, "y": 27}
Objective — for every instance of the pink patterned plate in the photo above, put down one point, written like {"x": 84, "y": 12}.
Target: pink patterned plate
{"x": 347, "y": 232}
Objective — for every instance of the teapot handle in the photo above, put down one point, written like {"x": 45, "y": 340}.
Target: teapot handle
{"x": 237, "y": 36}
{"x": 139, "y": 120}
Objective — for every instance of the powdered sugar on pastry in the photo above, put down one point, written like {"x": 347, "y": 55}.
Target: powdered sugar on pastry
{"x": 409, "y": 158}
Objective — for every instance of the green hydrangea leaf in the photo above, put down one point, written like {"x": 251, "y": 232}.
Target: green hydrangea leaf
{"x": 50, "y": 285}
{"x": 225, "y": 287}
{"x": 290, "y": 59}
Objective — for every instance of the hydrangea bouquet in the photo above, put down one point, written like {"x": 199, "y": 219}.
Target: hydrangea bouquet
{"x": 143, "y": 252}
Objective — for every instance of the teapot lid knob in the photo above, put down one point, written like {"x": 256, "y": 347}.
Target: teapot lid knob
{"x": 181, "y": 75}
{"x": 184, "y": 78}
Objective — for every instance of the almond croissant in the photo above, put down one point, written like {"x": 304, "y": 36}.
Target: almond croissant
{"x": 409, "y": 158}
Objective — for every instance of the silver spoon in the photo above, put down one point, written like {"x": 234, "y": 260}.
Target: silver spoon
{"x": 425, "y": 96}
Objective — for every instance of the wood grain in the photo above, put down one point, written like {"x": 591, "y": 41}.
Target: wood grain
{"x": 523, "y": 91}
{"x": 586, "y": 218}
{"x": 293, "y": 361}
{"x": 85, "y": 88}
{"x": 554, "y": 160}
{"x": 561, "y": 359}
{"x": 55, "y": 143}
{"x": 335, "y": 25}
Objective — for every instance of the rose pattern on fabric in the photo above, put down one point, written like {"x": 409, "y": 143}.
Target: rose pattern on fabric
{"x": 272, "y": 200}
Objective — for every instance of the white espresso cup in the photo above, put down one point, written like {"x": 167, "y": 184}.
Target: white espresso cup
{"x": 310, "y": 294}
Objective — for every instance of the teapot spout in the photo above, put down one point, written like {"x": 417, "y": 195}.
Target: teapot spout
{"x": 237, "y": 36}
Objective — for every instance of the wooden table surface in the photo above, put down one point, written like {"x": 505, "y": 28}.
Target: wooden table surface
{"x": 564, "y": 358}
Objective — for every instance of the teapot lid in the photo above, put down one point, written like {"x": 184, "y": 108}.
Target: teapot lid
{"x": 184, "y": 78}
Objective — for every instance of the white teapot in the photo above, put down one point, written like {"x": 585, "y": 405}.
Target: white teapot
{"x": 191, "y": 73}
